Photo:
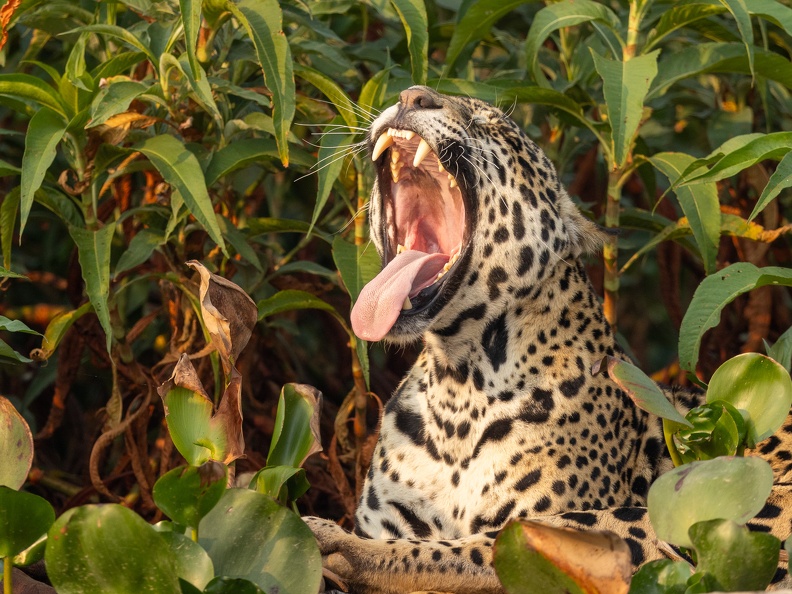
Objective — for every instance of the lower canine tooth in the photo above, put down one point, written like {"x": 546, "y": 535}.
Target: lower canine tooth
{"x": 440, "y": 167}
{"x": 421, "y": 152}
{"x": 400, "y": 248}
{"x": 452, "y": 183}
{"x": 407, "y": 304}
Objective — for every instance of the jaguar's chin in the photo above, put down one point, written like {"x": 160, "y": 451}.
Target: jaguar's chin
{"x": 425, "y": 228}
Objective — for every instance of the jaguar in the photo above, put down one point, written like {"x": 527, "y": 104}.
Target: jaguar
{"x": 501, "y": 417}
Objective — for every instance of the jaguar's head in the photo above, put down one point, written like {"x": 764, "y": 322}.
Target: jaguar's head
{"x": 463, "y": 202}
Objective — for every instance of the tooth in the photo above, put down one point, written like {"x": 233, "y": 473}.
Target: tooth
{"x": 400, "y": 248}
{"x": 420, "y": 154}
{"x": 392, "y": 132}
{"x": 408, "y": 134}
{"x": 383, "y": 142}
{"x": 440, "y": 167}
{"x": 407, "y": 304}
{"x": 452, "y": 183}
{"x": 395, "y": 156}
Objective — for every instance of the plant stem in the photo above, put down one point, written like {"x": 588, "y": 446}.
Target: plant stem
{"x": 668, "y": 434}
{"x": 194, "y": 534}
{"x": 7, "y": 566}
{"x": 361, "y": 391}
{"x": 610, "y": 252}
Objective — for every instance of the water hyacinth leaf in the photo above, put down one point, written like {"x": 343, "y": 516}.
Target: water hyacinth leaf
{"x": 781, "y": 351}
{"x": 180, "y": 168}
{"x": 736, "y": 558}
{"x": 717, "y": 429}
{"x": 640, "y": 388}
{"x": 16, "y": 446}
{"x": 684, "y": 496}
{"x": 31, "y": 554}
{"x": 757, "y": 384}
{"x": 228, "y": 313}
{"x": 284, "y": 483}
{"x": 187, "y": 493}
{"x": 108, "y": 548}
{"x": 558, "y": 15}
{"x": 296, "y": 432}
{"x": 416, "y": 25}
{"x": 263, "y": 21}
{"x": 45, "y": 131}
{"x": 625, "y": 85}
{"x": 93, "y": 251}
{"x": 560, "y": 560}
{"x": 245, "y": 534}
{"x": 713, "y": 294}
{"x": 57, "y": 329}
{"x": 661, "y": 576}
{"x": 114, "y": 99}
{"x": 24, "y": 517}
{"x": 357, "y": 265}
{"x": 780, "y": 180}
{"x": 223, "y": 584}
{"x": 192, "y": 564}
{"x": 699, "y": 203}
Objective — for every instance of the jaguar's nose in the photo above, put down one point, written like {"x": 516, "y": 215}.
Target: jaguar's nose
{"x": 420, "y": 98}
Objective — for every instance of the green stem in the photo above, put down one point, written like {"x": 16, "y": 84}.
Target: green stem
{"x": 194, "y": 534}
{"x": 7, "y": 566}
{"x": 610, "y": 252}
{"x": 668, "y": 434}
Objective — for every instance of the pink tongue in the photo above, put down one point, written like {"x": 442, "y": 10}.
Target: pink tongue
{"x": 381, "y": 300}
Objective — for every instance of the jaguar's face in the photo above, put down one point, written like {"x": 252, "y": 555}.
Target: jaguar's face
{"x": 450, "y": 193}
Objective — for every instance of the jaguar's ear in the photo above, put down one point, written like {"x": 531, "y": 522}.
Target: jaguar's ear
{"x": 585, "y": 236}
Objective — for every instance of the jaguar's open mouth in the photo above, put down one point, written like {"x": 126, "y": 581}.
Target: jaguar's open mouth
{"x": 425, "y": 224}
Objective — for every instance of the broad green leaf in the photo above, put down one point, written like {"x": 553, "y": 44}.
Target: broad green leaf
{"x": 756, "y": 384}
{"x": 187, "y": 493}
{"x": 180, "y": 168}
{"x": 191, "y": 19}
{"x": 556, "y": 16}
{"x": 121, "y": 34}
{"x": 739, "y": 10}
{"x": 16, "y": 446}
{"x": 333, "y": 152}
{"x": 114, "y": 99}
{"x": 713, "y": 294}
{"x": 296, "y": 433}
{"x": 239, "y": 242}
{"x": 737, "y": 559}
{"x": 773, "y": 11}
{"x": 8, "y": 353}
{"x": 188, "y": 414}
{"x": 249, "y": 151}
{"x": 640, "y": 388}
{"x": 290, "y": 300}
{"x": 5, "y": 273}
{"x": 474, "y": 24}
{"x": 591, "y": 561}
{"x": 45, "y": 131}
{"x": 330, "y": 89}
{"x": 57, "y": 329}
{"x": 249, "y": 535}
{"x": 357, "y": 264}
{"x": 416, "y": 25}
{"x": 140, "y": 248}
{"x": 373, "y": 94}
{"x": 770, "y": 146}
{"x": 15, "y": 326}
{"x": 625, "y": 85}
{"x": 95, "y": 549}
{"x": 93, "y": 251}
{"x": 24, "y": 517}
{"x": 781, "y": 350}
{"x": 223, "y": 584}
{"x": 31, "y": 88}
{"x": 202, "y": 90}
{"x": 284, "y": 483}
{"x": 718, "y": 57}
{"x": 780, "y": 180}
{"x": 262, "y": 19}
{"x": 716, "y": 429}
{"x": 118, "y": 64}
{"x": 674, "y": 231}
{"x": 191, "y": 562}
{"x": 699, "y": 203}
{"x": 677, "y": 17}
{"x": 685, "y": 495}
{"x": 31, "y": 554}
{"x": 661, "y": 576}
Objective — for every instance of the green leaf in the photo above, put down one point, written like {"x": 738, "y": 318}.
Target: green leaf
{"x": 416, "y": 25}
{"x": 202, "y": 90}
{"x": 188, "y": 414}
{"x": 191, "y": 562}
{"x": 249, "y": 151}
{"x": 24, "y": 517}
{"x": 15, "y": 326}
{"x": 223, "y": 584}
{"x": 357, "y": 264}
{"x": 30, "y": 88}
{"x": 191, "y": 18}
{"x": 374, "y": 93}
{"x": 114, "y": 99}
{"x": 333, "y": 152}
{"x": 16, "y": 446}
{"x": 756, "y": 384}
{"x": 187, "y": 493}
{"x": 717, "y": 429}
{"x": 93, "y": 251}
{"x": 57, "y": 329}
{"x": 262, "y": 19}
{"x": 239, "y": 242}
{"x": 476, "y": 23}
{"x": 31, "y": 554}
{"x": 768, "y": 146}
{"x": 685, "y": 495}
{"x": 7, "y": 168}
{"x": 249, "y": 535}
{"x": 296, "y": 433}
{"x": 625, "y": 85}
{"x": 343, "y": 104}
{"x": 739, "y": 11}
{"x": 780, "y": 180}
{"x": 264, "y": 225}
{"x": 781, "y": 351}
{"x": 661, "y": 576}
{"x": 556, "y": 16}
{"x": 699, "y": 203}
{"x": 677, "y": 17}
{"x": 45, "y": 131}
{"x": 180, "y": 168}
{"x": 5, "y": 273}
{"x": 140, "y": 248}
{"x": 735, "y": 557}
{"x": 640, "y": 388}
{"x": 121, "y": 34}
{"x": 713, "y": 294}
{"x": 95, "y": 549}
{"x": 284, "y": 483}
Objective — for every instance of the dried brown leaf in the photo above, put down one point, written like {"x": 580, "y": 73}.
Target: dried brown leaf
{"x": 229, "y": 416}
{"x": 6, "y": 12}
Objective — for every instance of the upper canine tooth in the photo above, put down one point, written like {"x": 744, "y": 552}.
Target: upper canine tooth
{"x": 421, "y": 152}
{"x": 383, "y": 142}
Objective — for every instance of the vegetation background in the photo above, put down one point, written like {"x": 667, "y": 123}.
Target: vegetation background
{"x": 138, "y": 135}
